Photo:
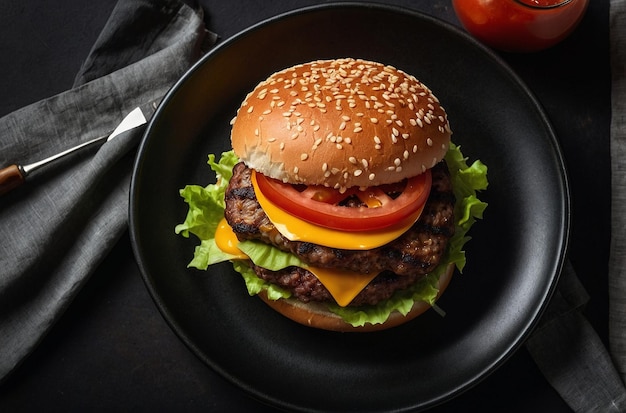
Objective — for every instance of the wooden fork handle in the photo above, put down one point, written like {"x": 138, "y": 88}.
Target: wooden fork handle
{"x": 10, "y": 178}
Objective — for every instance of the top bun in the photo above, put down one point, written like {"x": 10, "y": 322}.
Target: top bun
{"x": 341, "y": 123}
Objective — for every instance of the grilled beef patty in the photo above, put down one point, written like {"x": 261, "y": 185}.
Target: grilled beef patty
{"x": 400, "y": 262}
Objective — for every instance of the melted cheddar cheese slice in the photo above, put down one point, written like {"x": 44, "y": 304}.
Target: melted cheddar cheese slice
{"x": 227, "y": 241}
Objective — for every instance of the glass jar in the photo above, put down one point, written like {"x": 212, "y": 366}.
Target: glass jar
{"x": 520, "y": 25}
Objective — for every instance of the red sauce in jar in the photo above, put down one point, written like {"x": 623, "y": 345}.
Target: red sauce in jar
{"x": 520, "y": 25}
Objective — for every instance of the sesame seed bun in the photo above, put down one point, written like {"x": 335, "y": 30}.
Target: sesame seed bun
{"x": 341, "y": 123}
{"x": 317, "y": 315}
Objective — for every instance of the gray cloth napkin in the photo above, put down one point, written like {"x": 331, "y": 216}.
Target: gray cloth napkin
{"x": 571, "y": 355}
{"x": 565, "y": 346}
{"x": 57, "y": 227}
{"x": 617, "y": 258}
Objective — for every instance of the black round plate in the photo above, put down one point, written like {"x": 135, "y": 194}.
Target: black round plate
{"x": 513, "y": 259}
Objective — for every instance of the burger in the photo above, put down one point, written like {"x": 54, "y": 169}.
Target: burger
{"x": 343, "y": 202}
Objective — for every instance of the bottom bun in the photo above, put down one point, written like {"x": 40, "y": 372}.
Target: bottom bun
{"x": 315, "y": 314}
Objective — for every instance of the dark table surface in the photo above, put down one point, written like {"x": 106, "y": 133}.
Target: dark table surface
{"x": 113, "y": 351}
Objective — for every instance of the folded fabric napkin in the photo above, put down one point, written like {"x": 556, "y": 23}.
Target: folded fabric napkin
{"x": 617, "y": 259}
{"x": 58, "y": 227}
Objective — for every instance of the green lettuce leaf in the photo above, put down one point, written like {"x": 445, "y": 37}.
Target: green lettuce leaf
{"x": 206, "y": 209}
{"x": 269, "y": 257}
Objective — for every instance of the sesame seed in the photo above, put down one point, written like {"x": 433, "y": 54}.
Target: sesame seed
{"x": 397, "y": 162}
{"x": 377, "y": 140}
{"x": 372, "y": 176}
{"x": 374, "y": 120}
{"x": 352, "y": 160}
{"x": 365, "y": 163}
{"x": 429, "y": 142}
{"x": 406, "y": 155}
{"x": 304, "y": 156}
{"x": 358, "y": 172}
{"x": 250, "y": 109}
{"x": 286, "y": 114}
{"x": 357, "y": 130}
{"x": 405, "y": 136}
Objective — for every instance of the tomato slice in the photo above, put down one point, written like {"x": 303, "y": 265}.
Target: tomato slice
{"x": 379, "y": 207}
